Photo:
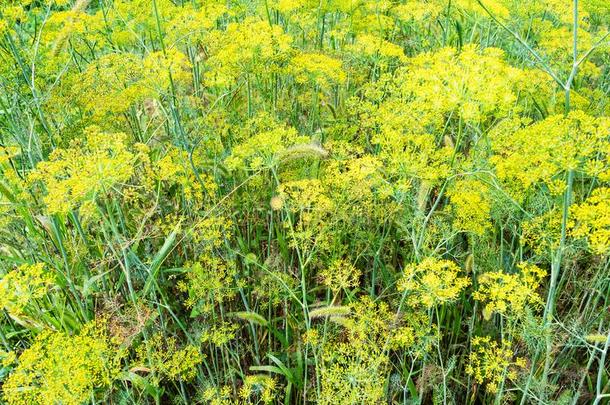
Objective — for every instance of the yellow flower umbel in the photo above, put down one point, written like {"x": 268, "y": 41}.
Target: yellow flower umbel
{"x": 432, "y": 282}
{"x": 405, "y": 110}
{"x": 209, "y": 281}
{"x": 509, "y": 294}
{"x": 490, "y": 363}
{"x": 355, "y": 362}
{"x": 543, "y": 232}
{"x": 114, "y": 83}
{"x": 264, "y": 149}
{"x": 340, "y": 275}
{"x": 89, "y": 167}
{"x": 373, "y": 46}
{"x": 318, "y": 69}
{"x": 497, "y": 7}
{"x": 526, "y": 155}
{"x": 111, "y": 84}
{"x": 166, "y": 360}
{"x": 177, "y": 167}
{"x": 251, "y": 46}
{"x": 593, "y": 221}
{"x": 70, "y": 27}
{"x": 471, "y": 205}
{"x": 162, "y": 69}
{"x": 475, "y": 84}
{"x": 258, "y": 388}
{"x": 22, "y": 286}
{"x": 217, "y": 396}
{"x": 10, "y": 14}
{"x": 219, "y": 335}
{"x": 352, "y": 371}
{"x": 64, "y": 369}
{"x": 416, "y": 11}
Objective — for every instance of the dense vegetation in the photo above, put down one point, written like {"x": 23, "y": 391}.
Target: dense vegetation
{"x": 291, "y": 202}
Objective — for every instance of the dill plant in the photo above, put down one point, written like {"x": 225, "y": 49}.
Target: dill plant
{"x": 294, "y": 202}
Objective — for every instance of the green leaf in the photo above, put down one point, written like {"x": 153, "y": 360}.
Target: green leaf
{"x": 158, "y": 261}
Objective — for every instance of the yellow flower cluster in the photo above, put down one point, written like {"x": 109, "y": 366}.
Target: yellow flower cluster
{"x": 432, "y": 282}
{"x": 166, "y": 360}
{"x": 210, "y": 280}
{"x": 260, "y": 387}
{"x": 340, "y": 275}
{"x": 317, "y": 68}
{"x": 61, "y": 368}
{"x": 549, "y": 23}
{"x": 476, "y": 84}
{"x": 256, "y": 389}
{"x": 275, "y": 283}
{"x": 217, "y": 396}
{"x": 543, "y": 232}
{"x": 264, "y": 150}
{"x": 115, "y": 82}
{"x": 130, "y": 20}
{"x": 471, "y": 206}
{"x": 219, "y": 335}
{"x": 353, "y": 365}
{"x": 405, "y": 108}
{"x": 344, "y": 193}
{"x": 11, "y": 13}
{"x": 71, "y": 26}
{"x": 508, "y": 294}
{"x": 491, "y": 364}
{"x": 528, "y": 154}
{"x": 177, "y": 167}
{"x": 23, "y": 286}
{"x": 246, "y": 48}
{"x": 352, "y": 376}
{"x": 353, "y": 369}
{"x": 374, "y": 46}
{"x": 416, "y": 10}
{"x": 592, "y": 219}
{"x": 91, "y": 166}
{"x": 305, "y": 195}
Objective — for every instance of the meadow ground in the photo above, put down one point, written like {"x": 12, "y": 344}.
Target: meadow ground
{"x": 304, "y": 202}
